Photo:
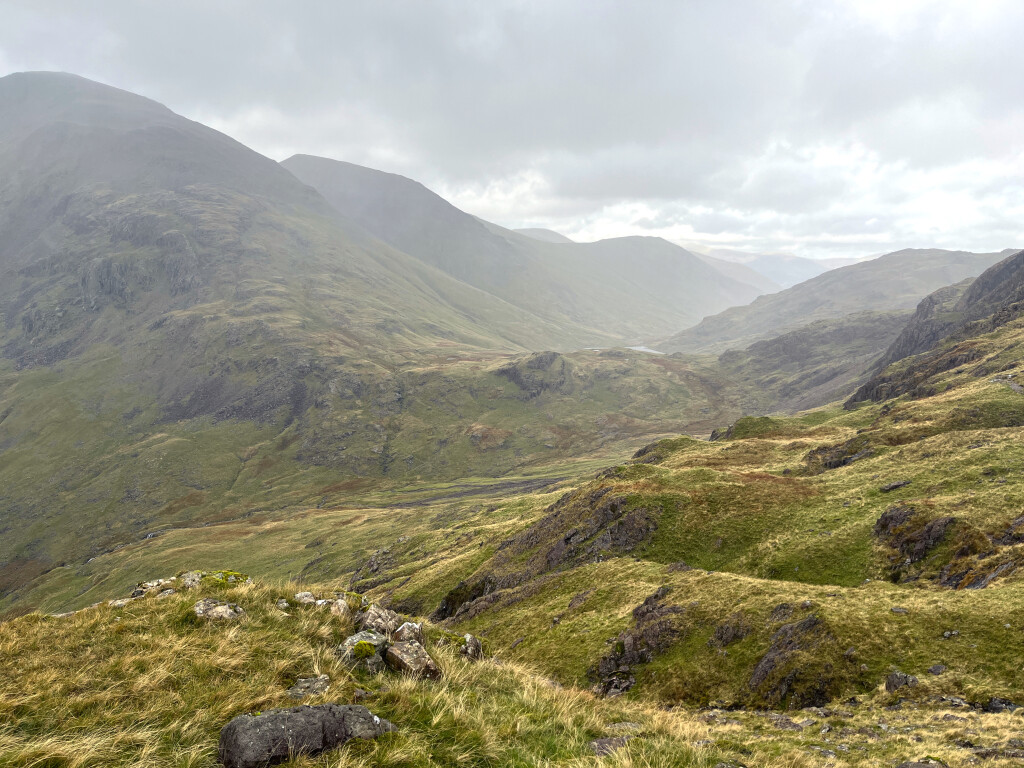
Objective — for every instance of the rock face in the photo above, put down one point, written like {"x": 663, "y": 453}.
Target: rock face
{"x": 309, "y": 686}
{"x": 217, "y": 610}
{"x": 380, "y": 620}
{"x": 412, "y": 658}
{"x": 792, "y": 672}
{"x": 255, "y": 741}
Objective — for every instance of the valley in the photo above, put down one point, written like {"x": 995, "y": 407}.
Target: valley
{"x": 664, "y": 492}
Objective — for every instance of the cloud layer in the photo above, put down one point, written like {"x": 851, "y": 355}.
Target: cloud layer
{"x": 814, "y": 127}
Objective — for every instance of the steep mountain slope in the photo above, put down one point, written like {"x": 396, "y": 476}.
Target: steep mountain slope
{"x": 190, "y": 334}
{"x": 940, "y": 334}
{"x": 890, "y": 283}
{"x": 632, "y": 288}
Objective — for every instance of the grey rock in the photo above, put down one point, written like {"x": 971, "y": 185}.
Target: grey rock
{"x": 409, "y": 631}
{"x": 305, "y": 598}
{"x": 255, "y": 741}
{"x": 165, "y": 593}
{"x": 472, "y": 649}
{"x": 122, "y": 602}
{"x": 602, "y": 747}
{"x": 373, "y": 662}
{"x": 412, "y": 658}
{"x": 340, "y": 609}
{"x": 191, "y": 579}
{"x": 899, "y": 610}
{"x": 996, "y": 704}
{"x": 217, "y": 610}
{"x": 897, "y": 680}
{"x": 309, "y": 686}
{"x": 937, "y": 669}
{"x": 282, "y": 604}
{"x": 380, "y": 620}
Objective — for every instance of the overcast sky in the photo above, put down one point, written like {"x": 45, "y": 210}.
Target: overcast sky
{"x": 811, "y": 127}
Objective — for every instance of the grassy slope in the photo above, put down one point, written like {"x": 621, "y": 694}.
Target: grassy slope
{"x": 753, "y": 516}
{"x": 148, "y": 685}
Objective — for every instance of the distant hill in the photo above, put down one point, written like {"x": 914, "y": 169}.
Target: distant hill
{"x": 544, "y": 235}
{"x": 783, "y": 269}
{"x": 891, "y": 283}
{"x": 742, "y": 273}
{"x": 630, "y": 288}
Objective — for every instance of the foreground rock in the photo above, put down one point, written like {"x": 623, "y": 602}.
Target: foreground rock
{"x": 473, "y": 648}
{"x": 412, "y": 658}
{"x": 603, "y": 747}
{"x": 254, "y": 741}
{"x": 217, "y": 610}
{"x": 380, "y": 620}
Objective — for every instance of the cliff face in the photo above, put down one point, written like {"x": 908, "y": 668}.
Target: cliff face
{"x": 954, "y": 313}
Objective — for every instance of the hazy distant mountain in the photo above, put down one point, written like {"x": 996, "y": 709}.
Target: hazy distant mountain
{"x": 632, "y": 288}
{"x": 544, "y": 235}
{"x": 890, "y": 283}
{"x": 783, "y": 269}
{"x": 742, "y": 273}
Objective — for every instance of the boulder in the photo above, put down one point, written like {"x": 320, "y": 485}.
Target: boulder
{"x": 897, "y": 680}
{"x": 217, "y": 610}
{"x": 472, "y": 649}
{"x": 309, "y": 686}
{"x": 340, "y": 609}
{"x": 412, "y": 658}
{"x": 364, "y": 649}
{"x": 305, "y": 598}
{"x": 937, "y": 669}
{"x": 122, "y": 602}
{"x": 165, "y": 593}
{"x": 191, "y": 579}
{"x": 602, "y": 747}
{"x": 995, "y": 704}
{"x": 282, "y": 604}
{"x": 380, "y": 620}
{"x": 409, "y": 631}
{"x": 255, "y": 741}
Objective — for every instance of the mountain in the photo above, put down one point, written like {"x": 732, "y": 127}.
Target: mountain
{"x": 544, "y": 235}
{"x": 742, "y": 273}
{"x": 891, "y": 283}
{"x": 189, "y": 334}
{"x": 938, "y": 336}
{"x": 630, "y": 288}
{"x": 783, "y": 269}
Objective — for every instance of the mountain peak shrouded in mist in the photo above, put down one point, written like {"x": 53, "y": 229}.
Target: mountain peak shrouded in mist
{"x": 630, "y": 286}
{"x": 544, "y": 235}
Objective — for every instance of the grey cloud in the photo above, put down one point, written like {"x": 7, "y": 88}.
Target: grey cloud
{"x": 768, "y": 122}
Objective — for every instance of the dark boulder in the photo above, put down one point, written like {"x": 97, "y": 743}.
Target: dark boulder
{"x": 897, "y": 680}
{"x": 255, "y": 741}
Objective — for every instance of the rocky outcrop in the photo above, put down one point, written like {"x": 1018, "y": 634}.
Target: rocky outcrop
{"x": 379, "y": 620}
{"x": 794, "y": 672}
{"x": 897, "y": 680}
{"x": 364, "y": 649}
{"x": 656, "y": 626}
{"x": 583, "y": 526}
{"x": 217, "y": 610}
{"x": 256, "y": 741}
{"x": 412, "y": 659}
